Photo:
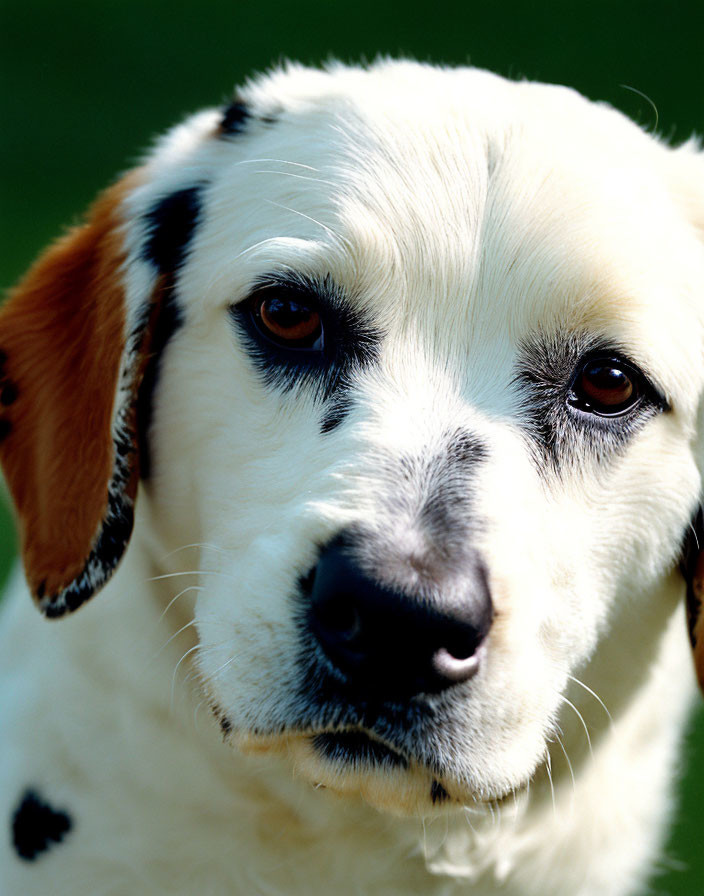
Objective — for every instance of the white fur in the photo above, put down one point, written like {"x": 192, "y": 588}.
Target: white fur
{"x": 463, "y": 213}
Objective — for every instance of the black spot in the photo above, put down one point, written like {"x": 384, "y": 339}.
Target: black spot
{"x": 36, "y": 826}
{"x": 5, "y": 429}
{"x": 171, "y": 223}
{"x": 8, "y": 394}
{"x": 225, "y": 726}
{"x": 235, "y": 118}
{"x": 41, "y": 589}
{"x": 3, "y": 359}
{"x": 438, "y": 794}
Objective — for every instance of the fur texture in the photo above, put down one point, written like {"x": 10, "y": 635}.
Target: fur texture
{"x": 469, "y": 246}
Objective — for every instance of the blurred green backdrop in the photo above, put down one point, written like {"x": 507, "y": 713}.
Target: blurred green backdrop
{"x": 86, "y": 85}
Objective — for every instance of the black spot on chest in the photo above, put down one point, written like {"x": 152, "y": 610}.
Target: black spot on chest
{"x": 37, "y": 827}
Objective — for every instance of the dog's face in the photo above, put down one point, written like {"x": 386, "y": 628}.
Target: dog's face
{"x": 415, "y": 356}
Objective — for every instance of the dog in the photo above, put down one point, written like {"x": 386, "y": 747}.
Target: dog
{"x": 391, "y": 377}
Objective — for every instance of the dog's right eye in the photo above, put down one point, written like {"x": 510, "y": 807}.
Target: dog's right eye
{"x": 288, "y": 322}
{"x": 605, "y": 386}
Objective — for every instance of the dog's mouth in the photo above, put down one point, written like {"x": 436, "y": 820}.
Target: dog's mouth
{"x": 358, "y": 749}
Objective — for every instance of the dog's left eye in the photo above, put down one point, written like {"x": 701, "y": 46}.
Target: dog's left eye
{"x": 288, "y": 320}
{"x": 607, "y": 387}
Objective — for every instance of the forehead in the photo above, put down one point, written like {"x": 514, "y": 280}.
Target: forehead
{"x": 456, "y": 196}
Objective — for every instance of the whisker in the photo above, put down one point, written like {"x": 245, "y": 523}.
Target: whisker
{"x": 195, "y": 544}
{"x": 548, "y": 769}
{"x": 174, "y": 599}
{"x": 594, "y": 695}
{"x": 279, "y": 161}
{"x": 225, "y": 665}
{"x": 173, "y": 677}
{"x": 190, "y": 572}
{"x": 569, "y": 766}
{"x": 307, "y": 217}
{"x": 176, "y": 634}
{"x": 581, "y": 719}
{"x": 316, "y": 180}
{"x": 647, "y": 99}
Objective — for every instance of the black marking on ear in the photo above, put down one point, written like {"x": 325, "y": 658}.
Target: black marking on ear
{"x": 172, "y": 222}
{"x": 438, "y": 794}
{"x": 234, "y": 118}
{"x": 8, "y": 392}
{"x": 103, "y": 558}
{"x": 37, "y": 826}
{"x": 5, "y": 429}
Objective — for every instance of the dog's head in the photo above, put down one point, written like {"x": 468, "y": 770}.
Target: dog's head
{"x": 415, "y": 357}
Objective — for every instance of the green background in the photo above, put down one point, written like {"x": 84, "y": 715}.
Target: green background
{"x": 86, "y": 85}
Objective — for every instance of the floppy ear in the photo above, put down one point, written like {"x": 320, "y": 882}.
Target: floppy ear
{"x": 72, "y": 360}
{"x": 67, "y": 450}
{"x": 685, "y": 174}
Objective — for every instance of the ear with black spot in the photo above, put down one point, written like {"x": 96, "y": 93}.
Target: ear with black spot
{"x": 693, "y": 570}
{"x": 77, "y": 369}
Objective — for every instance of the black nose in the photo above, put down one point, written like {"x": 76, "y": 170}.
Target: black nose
{"x": 388, "y": 642}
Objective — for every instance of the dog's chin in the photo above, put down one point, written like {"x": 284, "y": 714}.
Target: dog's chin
{"x": 355, "y": 765}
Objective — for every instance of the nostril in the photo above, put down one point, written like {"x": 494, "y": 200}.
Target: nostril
{"x": 338, "y": 618}
{"x": 453, "y": 668}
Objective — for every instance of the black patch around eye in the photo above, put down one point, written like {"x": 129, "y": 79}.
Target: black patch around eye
{"x": 5, "y": 429}
{"x": 349, "y": 342}
{"x": 171, "y": 223}
{"x": 37, "y": 826}
{"x": 547, "y": 368}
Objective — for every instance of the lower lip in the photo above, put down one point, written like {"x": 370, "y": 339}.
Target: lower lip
{"x": 356, "y": 748}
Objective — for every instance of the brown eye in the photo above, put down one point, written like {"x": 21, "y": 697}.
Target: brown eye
{"x": 606, "y": 387}
{"x": 289, "y": 321}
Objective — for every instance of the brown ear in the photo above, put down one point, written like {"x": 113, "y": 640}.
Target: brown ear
{"x": 78, "y": 364}
{"x": 72, "y": 475}
{"x": 693, "y": 568}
